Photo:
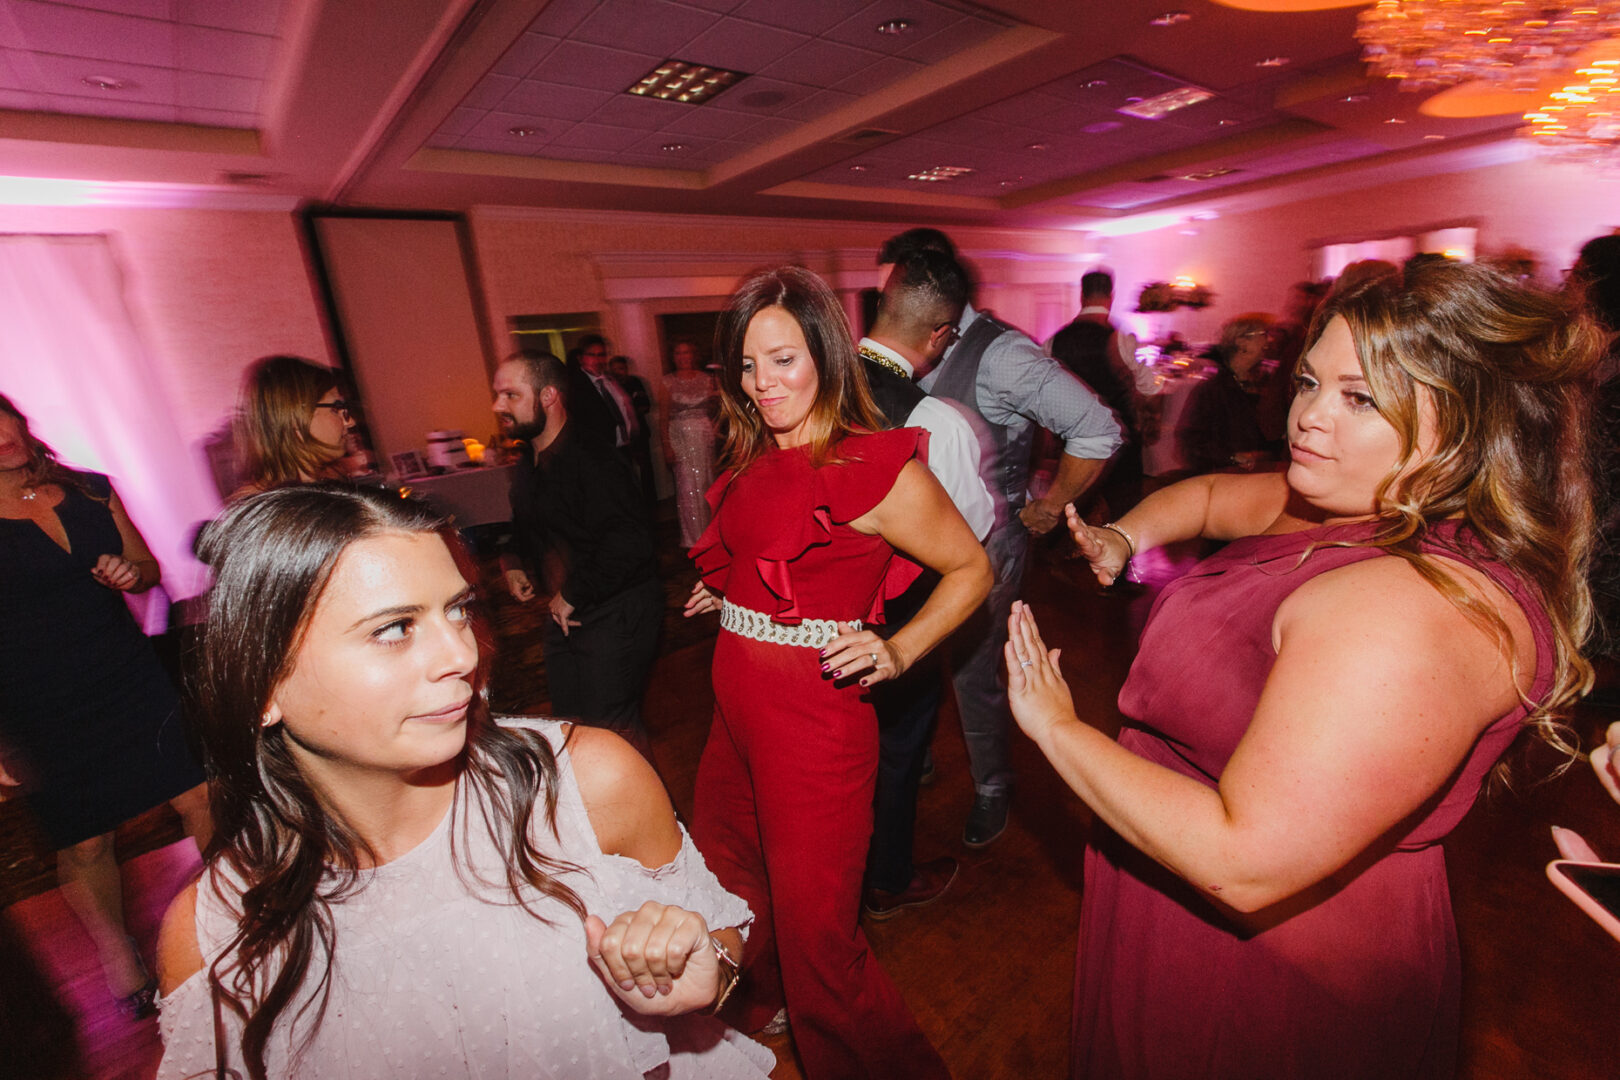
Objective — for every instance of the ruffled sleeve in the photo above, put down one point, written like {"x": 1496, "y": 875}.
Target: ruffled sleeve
{"x": 867, "y": 470}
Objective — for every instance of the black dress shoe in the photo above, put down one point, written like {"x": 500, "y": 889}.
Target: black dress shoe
{"x": 987, "y": 820}
{"x": 929, "y": 881}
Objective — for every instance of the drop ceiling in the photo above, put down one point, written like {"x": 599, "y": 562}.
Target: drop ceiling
{"x": 845, "y": 107}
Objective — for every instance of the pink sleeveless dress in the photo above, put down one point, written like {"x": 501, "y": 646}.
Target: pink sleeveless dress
{"x": 1363, "y": 983}
{"x": 436, "y": 979}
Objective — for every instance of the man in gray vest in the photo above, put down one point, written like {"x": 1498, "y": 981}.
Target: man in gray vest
{"x": 915, "y": 324}
{"x": 1000, "y": 375}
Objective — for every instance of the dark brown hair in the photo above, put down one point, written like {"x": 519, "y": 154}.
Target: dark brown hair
{"x": 1504, "y": 371}
{"x": 43, "y": 466}
{"x": 273, "y": 555}
{"x": 843, "y": 402}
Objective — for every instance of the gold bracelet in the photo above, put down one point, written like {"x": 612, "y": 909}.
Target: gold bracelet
{"x": 1130, "y": 545}
{"x": 730, "y": 972}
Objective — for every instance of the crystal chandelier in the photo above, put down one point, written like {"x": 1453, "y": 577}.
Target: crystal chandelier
{"x": 1433, "y": 43}
{"x": 1581, "y": 122}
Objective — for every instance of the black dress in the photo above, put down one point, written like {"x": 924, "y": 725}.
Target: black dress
{"x": 89, "y": 719}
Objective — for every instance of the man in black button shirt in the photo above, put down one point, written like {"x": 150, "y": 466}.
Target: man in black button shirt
{"x": 579, "y": 520}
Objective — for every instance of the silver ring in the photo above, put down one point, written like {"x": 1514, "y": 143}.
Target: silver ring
{"x": 1026, "y": 663}
{"x": 874, "y": 659}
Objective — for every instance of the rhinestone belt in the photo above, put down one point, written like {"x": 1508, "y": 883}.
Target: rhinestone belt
{"x": 809, "y": 634}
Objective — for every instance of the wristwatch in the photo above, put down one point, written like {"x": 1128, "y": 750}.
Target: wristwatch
{"x": 730, "y": 972}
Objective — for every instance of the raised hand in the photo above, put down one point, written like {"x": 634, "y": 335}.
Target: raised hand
{"x": 658, "y": 959}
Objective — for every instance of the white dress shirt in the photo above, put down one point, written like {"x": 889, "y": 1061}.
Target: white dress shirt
{"x": 953, "y": 450}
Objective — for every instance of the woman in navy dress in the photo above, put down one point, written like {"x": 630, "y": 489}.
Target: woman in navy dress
{"x": 90, "y": 725}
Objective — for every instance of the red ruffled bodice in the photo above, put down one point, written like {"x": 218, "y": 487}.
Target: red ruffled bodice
{"x": 779, "y": 539}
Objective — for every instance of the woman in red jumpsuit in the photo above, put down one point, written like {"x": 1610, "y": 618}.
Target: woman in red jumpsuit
{"x": 798, "y": 558}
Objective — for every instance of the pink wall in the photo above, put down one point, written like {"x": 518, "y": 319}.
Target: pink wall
{"x": 1251, "y": 257}
{"x": 209, "y": 290}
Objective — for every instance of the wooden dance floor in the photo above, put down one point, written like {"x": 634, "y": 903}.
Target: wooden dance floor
{"x": 988, "y": 968}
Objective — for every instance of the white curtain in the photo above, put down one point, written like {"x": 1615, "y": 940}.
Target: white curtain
{"x": 70, "y": 358}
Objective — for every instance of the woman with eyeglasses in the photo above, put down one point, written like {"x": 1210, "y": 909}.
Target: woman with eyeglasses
{"x": 292, "y": 424}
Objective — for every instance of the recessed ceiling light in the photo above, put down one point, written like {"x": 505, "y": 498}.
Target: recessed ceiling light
{"x": 106, "y": 82}
{"x": 522, "y": 132}
{"x": 1394, "y": 120}
{"x": 1355, "y": 99}
{"x": 1102, "y": 127}
{"x": 673, "y": 147}
{"x": 1225, "y": 123}
{"x": 684, "y": 82}
{"x": 1170, "y": 18}
{"x": 1207, "y": 174}
{"x": 1013, "y": 181}
{"x": 1037, "y": 146}
{"x": 859, "y": 168}
{"x": 1160, "y": 105}
{"x": 1093, "y": 84}
{"x": 939, "y": 173}
{"x": 1436, "y": 137}
{"x": 1274, "y": 61}
{"x": 894, "y": 26}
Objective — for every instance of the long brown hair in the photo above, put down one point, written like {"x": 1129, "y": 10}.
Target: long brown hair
{"x": 278, "y": 402}
{"x": 272, "y": 555}
{"x": 1504, "y": 369}
{"x": 43, "y": 465}
{"x": 843, "y": 402}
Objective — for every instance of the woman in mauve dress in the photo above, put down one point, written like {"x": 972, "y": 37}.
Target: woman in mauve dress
{"x": 689, "y": 438}
{"x": 1317, "y": 705}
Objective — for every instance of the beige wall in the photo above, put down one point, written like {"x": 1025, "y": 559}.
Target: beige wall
{"x": 209, "y": 291}
{"x": 1250, "y": 258}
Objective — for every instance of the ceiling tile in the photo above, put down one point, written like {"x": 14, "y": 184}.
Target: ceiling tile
{"x": 497, "y": 125}
{"x": 223, "y": 52}
{"x": 489, "y": 91}
{"x": 722, "y": 6}
{"x": 765, "y": 129}
{"x": 526, "y": 52}
{"x": 705, "y": 122}
{"x": 249, "y": 16}
{"x": 534, "y": 98}
{"x": 888, "y": 69}
{"x": 21, "y": 100}
{"x": 491, "y": 144}
{"x": 648, "y": 26}
{"x": 205, "y": 91}
{"x": 741, "y": 45}
{"x": 600, "y": 136}
{"x": 561, "y": 16}
{"x": 816, "y": 105}
{"x": 862, "y": 28}
{"x": 460, "y": 121}
{"x": 146, "y": 9}
{"x": 66, "y": 74}
{"x": 950, "y": 40}
{"x": 692, "y": 149}
{"x": 648, "y": 114}
{"x": 216, "y": 118}
{"x": 118, "y": 110}
{"x": 821, "y": 63}
{"x": 594, "y": 154}
{"x": 806, "y": 18}
{"x": 763, "y": 97}
{"x": 574, "y": 63}
{"x": 97, "y": 35}
{"x": 10, "y": 77}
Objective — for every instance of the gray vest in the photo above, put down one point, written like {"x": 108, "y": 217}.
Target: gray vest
{"x": 1006, "y": 473}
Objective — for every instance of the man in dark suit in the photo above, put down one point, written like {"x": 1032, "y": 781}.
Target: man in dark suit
{"x": 641, "y": 441}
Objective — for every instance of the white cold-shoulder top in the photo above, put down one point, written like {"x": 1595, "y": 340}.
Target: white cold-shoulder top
{"x": 436, "y": 977}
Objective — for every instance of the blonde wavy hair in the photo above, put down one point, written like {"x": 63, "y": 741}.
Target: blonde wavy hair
{"x": 1503, "y": 371}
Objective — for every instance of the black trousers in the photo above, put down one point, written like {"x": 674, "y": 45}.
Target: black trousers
{"x": 598, "y": 672}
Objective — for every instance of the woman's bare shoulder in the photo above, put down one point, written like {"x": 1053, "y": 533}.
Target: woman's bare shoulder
{"x": 179, "y": 957}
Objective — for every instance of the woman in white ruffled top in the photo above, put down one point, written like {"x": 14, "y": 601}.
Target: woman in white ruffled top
{"x": 689, "y": 438}
{"x": 401, "y": 885}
